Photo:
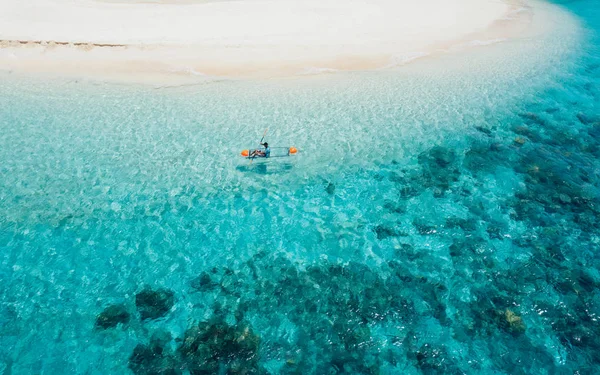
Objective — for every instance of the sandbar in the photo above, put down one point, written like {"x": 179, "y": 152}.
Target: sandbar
{"x": 239, "y": 37}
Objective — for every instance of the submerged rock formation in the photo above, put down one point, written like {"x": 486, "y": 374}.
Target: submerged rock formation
{"x": 112, "y": 316}
{"x": 154, "y": 304}
{"x": 209, "y": 346}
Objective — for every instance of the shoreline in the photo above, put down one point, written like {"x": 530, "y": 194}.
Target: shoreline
{"x": 229, "y": 53}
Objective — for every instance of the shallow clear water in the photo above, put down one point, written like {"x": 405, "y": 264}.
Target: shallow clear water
{"x": 440, "y": 218}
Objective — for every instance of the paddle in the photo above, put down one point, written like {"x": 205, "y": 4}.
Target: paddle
{"x": 260, "y": 143}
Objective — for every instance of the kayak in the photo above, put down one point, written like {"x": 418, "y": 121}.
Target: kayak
{"x": 276, "y": 152}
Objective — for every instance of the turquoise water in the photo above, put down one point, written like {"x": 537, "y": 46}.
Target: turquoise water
{"x": 442, "y": 217}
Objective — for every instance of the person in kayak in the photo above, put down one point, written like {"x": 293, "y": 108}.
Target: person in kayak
{"x": 263, "y": 154}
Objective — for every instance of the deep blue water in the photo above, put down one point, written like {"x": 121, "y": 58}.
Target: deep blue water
{"x": 433, "y": 222}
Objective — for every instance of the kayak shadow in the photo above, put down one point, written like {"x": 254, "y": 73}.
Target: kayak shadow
{"x": 265, "y": 168}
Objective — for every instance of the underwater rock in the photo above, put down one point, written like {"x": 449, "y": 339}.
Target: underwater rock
{"x": 209, "y": 345}
{"x": 575, "y": 330}
{"x": 594, "y": 131}
{"x": 384, "y": 232}
{"x": 424, "y": 227}
{"x": 486, "y": 157}
{"x": 375, "y": 304}
{"x": 497, "y": 147}
{"x": 356, "y": 337}
{"x": 564, "y": 199}
{"x": 407, "y": 251}
{"x": 291, "y": 367}
{"x": 433, "y": 293}
{"x": 396, "y": 177}
{"x": 159, "y": 340}
{"x": 153, "y": 304}
{"x": 585, "y": 119}
{"x": 533, "y": 118}
{"x": 565, "y": 139}
{"x": 230, "y": 283}
{"x": 330, "y": 188}
{"x": 356, "y": 293}
{"x": 586, "y": 281}
{"x": 203, "y": 282}
{"x": 527, "y": 133}
{"x": 152, "y": 360}
{"x": 343, "y": 362}
{"x": 438, "y": 193}
{"x": 495, "y": 231}
{"x": 434, "y": 360}
{"x": 457, "y": 248}
{"x": 438, "y": 170}
{"x": 477, "y": 160}
{"x": 437, "y": 157}
{"x": 512, "y": 322}
{"x": 592, "y": 67}
{"x": 578, "y": 282}
{"x": 529, "y": 356}
{"x": 520, "y": 141}
{"x": 589, "y": 222}
{"x": 467, "y": 225}
{"x": 409, "y": 191}
{"x": 522, "y": 130}
{"x": 534, "y": 212}
{"x": 483, "y": 130}
{"x": 142, "y": 360}
{"x": 112, "y": 316}
{"x": 395, "y": 208}
{"x": 484, "y": 315}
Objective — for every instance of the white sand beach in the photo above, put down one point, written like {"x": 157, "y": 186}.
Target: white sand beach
{"x": 238, "y": 38}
